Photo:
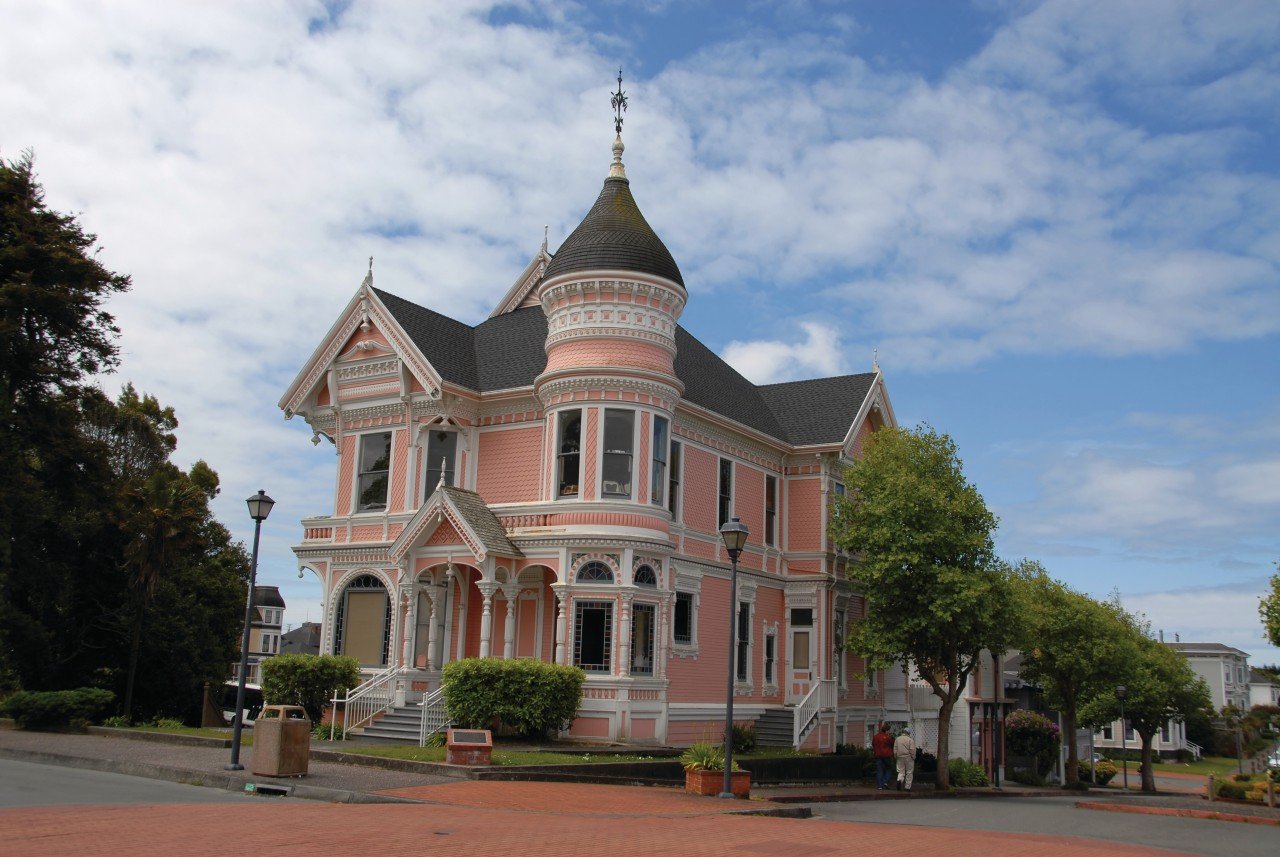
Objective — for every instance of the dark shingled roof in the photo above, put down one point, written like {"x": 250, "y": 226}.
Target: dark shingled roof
{"x": 481, "y": 519}
{"x": 267, "y": 596}
{"x": 614, "y": 236}
{"x": 841, "y": 397}
{"x": 507, "y": 351}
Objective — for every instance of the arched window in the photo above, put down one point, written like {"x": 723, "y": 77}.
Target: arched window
{"x": 645, "y": 576}
{"x": 595, "y": 572}
{"x": 363, "y": 628}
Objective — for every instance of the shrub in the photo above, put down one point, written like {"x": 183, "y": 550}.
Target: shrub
{"x": 1032, "y": 736}
{"x": 54, "y": 708}
{"x": 1105, "y": 770}
{"x": 1241, "y": 778}
{"x": 307, "y": 680}
{"x": 965, "y": 774}
{"x": 531, "y": 697}
{"x": 1231, "y": 790}
{"x": 169, "y": 723}
{"x": 1026, "y": 777}
{"x": 704, "y": 756}
{"x": 116, "y": 721}
{"x": 744, "y": 739}
{"x": 926, "y": 763}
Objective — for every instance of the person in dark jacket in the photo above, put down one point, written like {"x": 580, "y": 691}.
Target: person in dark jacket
{"x": 882, "y": 749}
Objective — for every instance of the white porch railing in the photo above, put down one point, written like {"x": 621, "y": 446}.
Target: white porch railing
{"x": 821, "y": 697}
{"x": 434, "y": 716}
{"x": 1196, "y": 749}
{"x": 367, "y": 700}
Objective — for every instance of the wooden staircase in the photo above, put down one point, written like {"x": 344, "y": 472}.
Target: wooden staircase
{"x": 775, "y": 727}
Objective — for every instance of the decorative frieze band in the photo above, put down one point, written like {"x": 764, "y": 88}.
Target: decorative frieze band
{"x": 369, "y": 370}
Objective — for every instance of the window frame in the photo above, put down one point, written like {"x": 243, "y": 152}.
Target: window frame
{"x": 770, "y": 666}
{"x": 690, "y": 645}
{"x": 770, "y": 509}
{"x": 562, "y": 420}
{"x": 659, "y": 453}
{"x": 451, "y": 471}
{"x": 742, "y": 643}
{"x": 608, "y": 456}
{"x": 675, "y": 463}
{"x": 358, "y": 490}
{"x": 579, "y": 608}
{"x": 652, "y": 610}
{"x": 724, "y": 492}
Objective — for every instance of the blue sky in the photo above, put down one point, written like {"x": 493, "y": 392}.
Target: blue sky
{"x": 1059, "y": 224}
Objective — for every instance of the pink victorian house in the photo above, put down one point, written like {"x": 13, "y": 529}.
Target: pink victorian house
{"x": 549, "y": 484}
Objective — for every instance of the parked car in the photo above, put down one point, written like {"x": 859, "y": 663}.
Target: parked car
{"x": 252, "y": 701}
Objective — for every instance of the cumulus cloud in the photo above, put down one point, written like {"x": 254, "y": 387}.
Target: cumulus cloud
{"x": 242, "y": 161}
{"x": 1209, "y": 614}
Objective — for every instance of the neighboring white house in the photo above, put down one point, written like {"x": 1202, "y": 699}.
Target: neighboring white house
{"x": 1224, "y": 669}
{"x": 1263, "y": 689}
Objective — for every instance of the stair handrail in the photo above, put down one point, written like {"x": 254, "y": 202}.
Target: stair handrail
{"x": 434, "y": 716}
{"x": 1196, "y": 750}
{"x": 368, "y": 699}
{"x": 821, "y": 697}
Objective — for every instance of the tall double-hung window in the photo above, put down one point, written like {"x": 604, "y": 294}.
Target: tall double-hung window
{"x": 569, "y": 454}
{"x": 673, "y": 482}
{"x": 593, "y": 635}
{"x": 770, "y": 510}
{"x": 375, "y": 464}
{"x": 442, "y": 447}
{"x": 619, "y": 442}
{"x": 658, "y": 472}
{"x": 726, "y": 491}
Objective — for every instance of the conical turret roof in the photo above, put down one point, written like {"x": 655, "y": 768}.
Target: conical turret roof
{"x": 614, "y": 236}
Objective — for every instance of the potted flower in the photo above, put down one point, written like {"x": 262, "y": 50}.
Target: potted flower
{"x": 704, "y": 772}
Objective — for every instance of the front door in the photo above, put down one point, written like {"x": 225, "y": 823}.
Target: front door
{"x": 800, "y": 655}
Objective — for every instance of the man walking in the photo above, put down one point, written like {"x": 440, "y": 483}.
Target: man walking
{"x": 882, "y": 750}
{"x": 904, "y": 750}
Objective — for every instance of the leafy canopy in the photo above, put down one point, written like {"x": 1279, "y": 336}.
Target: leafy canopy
{"x": 924, "y": 559}
{"x": 1269, "y": 610}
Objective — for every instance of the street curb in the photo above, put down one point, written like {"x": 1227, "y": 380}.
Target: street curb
{"x": 209, "y": 779}
{"x": 407, "y": 766}
{"x": 1181, "y": 813}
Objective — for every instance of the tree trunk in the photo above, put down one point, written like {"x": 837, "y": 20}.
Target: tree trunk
{"x": 1148, "y": 774}
{"x": 942, "y": 782}
{"x": 1071, "y": 776}
{"x": 135, "y": 643}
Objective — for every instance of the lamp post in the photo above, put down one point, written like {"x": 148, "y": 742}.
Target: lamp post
{"x": 734, "y": 533}
{"x": 1124, "y": 735}
{"x": 259, "y": 507}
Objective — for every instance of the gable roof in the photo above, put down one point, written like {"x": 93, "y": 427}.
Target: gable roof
{"x": 475, "y": 522}
{"x": 508, "y": 351}
{"x": 793, "y": 405}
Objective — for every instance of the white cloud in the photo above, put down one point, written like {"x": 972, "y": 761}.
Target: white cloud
{"x": 1209, "y": 614}
{"x": 818, "y": 354}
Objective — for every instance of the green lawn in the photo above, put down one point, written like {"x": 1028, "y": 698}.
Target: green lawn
{"x": 1207, "y": 765}
{"x": 246, "y": 737}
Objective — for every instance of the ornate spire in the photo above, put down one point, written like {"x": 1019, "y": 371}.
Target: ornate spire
{"x": 619, "y": 102}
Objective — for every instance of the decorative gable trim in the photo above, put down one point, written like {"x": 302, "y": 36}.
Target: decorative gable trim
{"x": 521, "y": 290}
{"x": 361, "y": 311}
{"x": 877, "y": 400}
{"x": 423, "y": 525}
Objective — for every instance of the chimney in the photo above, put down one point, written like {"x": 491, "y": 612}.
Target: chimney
{"x": 1177, "y": 638}
{"x": 1162, "y": 635}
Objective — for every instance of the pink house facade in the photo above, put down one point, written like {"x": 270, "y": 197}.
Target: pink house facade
{"x": 549, "y": 484}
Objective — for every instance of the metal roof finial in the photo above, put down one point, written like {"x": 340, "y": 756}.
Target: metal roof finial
{"x": 875, "y": 360}
{"x": 619, "y": 102}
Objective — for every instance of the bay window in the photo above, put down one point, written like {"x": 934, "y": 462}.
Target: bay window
{"x": 658, "y": 474}
{"x": 619, "y": 441}
{"x": 568, "y": 456}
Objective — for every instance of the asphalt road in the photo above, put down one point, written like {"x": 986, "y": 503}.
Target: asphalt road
{"x": 23, "y": 784}
{"x": 1059, "y": 817}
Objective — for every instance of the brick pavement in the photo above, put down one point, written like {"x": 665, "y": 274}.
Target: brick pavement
{"x": 305, "y": 830}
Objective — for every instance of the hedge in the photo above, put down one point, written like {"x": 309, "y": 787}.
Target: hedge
{"x": 53, "y": 708}
{"x": 307, "y": 680}
{"x": 528, "y": 696}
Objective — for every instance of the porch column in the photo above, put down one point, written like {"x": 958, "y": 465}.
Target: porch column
{"x": 433, "y": 633}
{"x": 512, "y": 594}
{"x": 409, "y": 624}
{"x": 486, "y": 617}
{"x": 624, "y": 637}
{"x": 562, "y": 598}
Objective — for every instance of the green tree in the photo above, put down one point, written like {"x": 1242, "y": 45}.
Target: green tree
{"x": 936, "y": 595}
{"x": 1073, "y": 647}
{"x": 54, "y": 335}
{"x": 1269, "y": 609}
{"x": 1159, "y": 687}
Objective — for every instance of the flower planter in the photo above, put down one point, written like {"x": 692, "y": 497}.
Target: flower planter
{"x": 704, "y": 782}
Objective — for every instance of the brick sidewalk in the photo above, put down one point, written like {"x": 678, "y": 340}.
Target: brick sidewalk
{"x": 306, "y": 829}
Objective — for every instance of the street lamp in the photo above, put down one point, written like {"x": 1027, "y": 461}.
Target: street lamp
{"x": 1124, "y": 736}
{"x": 734, "y": 533}
{"x": 259, "y": 507}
